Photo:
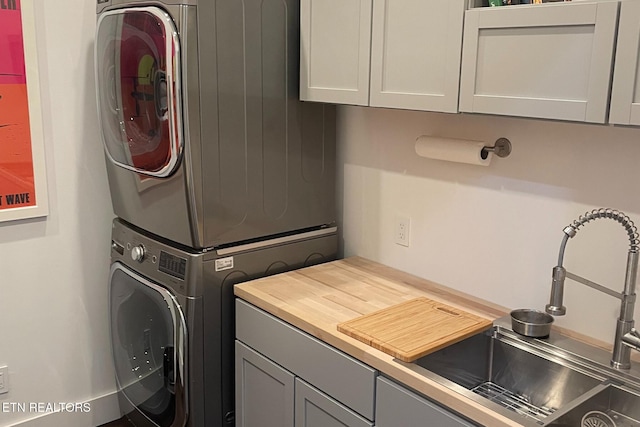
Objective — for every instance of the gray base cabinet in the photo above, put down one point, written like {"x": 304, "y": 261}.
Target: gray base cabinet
{"x": 285, "y": 377}
{"x": 397, "y": 406}
{"x": 264, "y": 391}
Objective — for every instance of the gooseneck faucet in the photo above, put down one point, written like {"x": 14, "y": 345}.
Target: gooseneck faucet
{"x": 627, "y": 337}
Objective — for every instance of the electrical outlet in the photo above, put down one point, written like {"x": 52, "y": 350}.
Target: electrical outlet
{"x": 4, "y": 379}
{"x": 403, "y": 226}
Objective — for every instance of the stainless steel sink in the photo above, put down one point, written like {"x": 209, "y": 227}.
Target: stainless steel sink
{"x": 551, "y": 381}
{"x": 610, "y": 405}
{"x": 507, "y": 374}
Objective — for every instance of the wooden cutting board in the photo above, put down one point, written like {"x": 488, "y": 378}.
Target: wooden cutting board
{"x": 414, "y": 328}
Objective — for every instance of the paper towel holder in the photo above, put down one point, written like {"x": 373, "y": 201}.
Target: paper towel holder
{"x": 501, "y": 148}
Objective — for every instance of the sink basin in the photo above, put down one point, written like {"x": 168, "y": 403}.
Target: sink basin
{"x": 510, "y": 376}
{"x": 611, "y": 406}
{"x": 551, "y": 381}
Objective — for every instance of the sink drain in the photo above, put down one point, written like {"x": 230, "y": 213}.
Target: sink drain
{"x": 597, "y": 419}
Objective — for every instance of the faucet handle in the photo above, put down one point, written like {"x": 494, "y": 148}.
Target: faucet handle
{"x": 632, "y": 339}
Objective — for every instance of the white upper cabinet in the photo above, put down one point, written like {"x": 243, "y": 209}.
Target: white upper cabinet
{"x": 625, "y": 95}
{"x": 546, "y": 61}
{"x": 335, "y": 40}
{"x": 415, "y": 54}
{"x": 382, "y": 53}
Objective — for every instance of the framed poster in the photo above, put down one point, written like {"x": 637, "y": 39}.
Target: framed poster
{"x": 23, "y": 187}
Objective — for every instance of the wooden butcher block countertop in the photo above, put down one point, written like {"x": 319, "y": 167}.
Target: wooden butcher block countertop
{"x": 316, "y": 299}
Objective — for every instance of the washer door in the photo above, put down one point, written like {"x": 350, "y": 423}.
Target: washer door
{"x": 137, "y": 60}
{"x": 148, "y": 335}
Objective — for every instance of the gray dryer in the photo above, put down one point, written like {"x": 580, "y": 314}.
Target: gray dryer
{"x": 206, "y": 141}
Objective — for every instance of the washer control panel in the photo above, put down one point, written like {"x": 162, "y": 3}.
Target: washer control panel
{"x": 155, "y": 259}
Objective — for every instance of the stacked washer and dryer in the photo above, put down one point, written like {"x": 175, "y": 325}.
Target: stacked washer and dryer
{"x": 218, "y": 175}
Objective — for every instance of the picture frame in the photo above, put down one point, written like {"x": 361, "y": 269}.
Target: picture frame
{"x": 23, "y": 185}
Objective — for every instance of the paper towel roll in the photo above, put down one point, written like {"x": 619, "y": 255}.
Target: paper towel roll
{"x": 453, "y": 150}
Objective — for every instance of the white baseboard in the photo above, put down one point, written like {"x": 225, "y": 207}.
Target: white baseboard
{"x": 101, "y": 410}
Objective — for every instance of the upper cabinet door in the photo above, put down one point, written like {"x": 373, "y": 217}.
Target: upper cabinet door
{"x": 625, "y": 95}
{"x": 547, "y": 61}
{"x": 335, "y": 39}
{"x": 415, "y": 54}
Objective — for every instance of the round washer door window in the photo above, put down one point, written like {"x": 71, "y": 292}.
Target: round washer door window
{"x": 148, "y": 334}
{"x": 137, "y": 60}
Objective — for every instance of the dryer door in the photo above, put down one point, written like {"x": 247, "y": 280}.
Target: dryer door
{"x": 137, "y": 60}
{"x": 148, "y": 333}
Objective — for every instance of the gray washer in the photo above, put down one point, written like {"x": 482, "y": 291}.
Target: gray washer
{"x": 172, "y": 320}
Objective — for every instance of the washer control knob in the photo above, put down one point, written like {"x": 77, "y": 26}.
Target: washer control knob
{"x": 138, "y": 253}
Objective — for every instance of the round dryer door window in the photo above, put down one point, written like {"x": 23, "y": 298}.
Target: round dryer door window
{"x": 137, "y": 60}
{"x": 148, "y": 334}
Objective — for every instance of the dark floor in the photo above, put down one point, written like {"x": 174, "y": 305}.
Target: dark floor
{"x": 122, "y": 422}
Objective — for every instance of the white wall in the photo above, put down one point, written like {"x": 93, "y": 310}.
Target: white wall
{"x": 495, "y": 231}
{"x": 53, "y": 286}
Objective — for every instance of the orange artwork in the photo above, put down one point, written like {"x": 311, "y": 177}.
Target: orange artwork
{"x": 16, "y": 165}
{"x": 17, "y": 184}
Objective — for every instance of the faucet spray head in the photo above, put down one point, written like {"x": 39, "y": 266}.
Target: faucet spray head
{"x": 555, "y": 306}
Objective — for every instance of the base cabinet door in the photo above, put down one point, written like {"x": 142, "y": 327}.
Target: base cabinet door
{"x": 315, "y": 409}
{"x": 264, "y": 391}
{"x": 398, "y": 407}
